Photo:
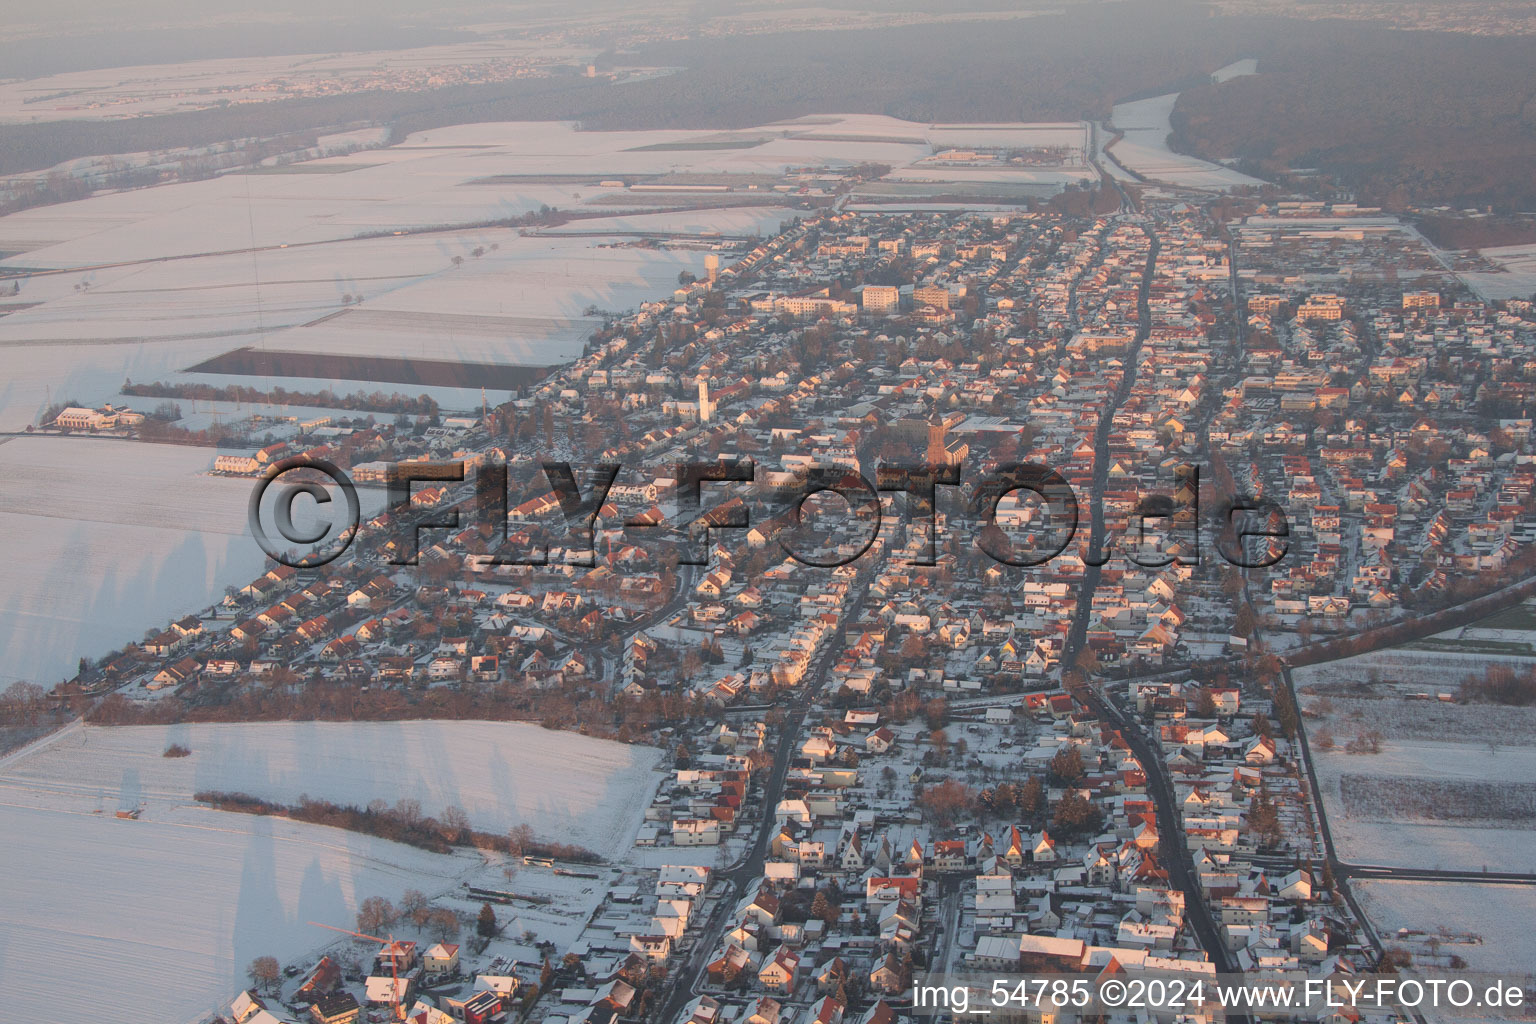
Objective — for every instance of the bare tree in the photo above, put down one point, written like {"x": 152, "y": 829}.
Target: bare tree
{"x": 413, "y": 905}
{"x": 939, "y": 739}
{"x": 264, "y": 972}
{"x": 946, "y": 801}
{"x": 519, "y": 839}
{"x": 455, "y": 822}
{"x": 22, "y": 704}
{"x": 443, "y": 924}
{"x": 1368, "y": 742}
{"x": 375, "y": 913}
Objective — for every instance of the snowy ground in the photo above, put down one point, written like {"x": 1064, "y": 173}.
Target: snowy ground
{"x": 456, "y": 175}
{"x": 739, "y": 220}
{"x": 1388, "y": 834}
{"x": 166, "y": 914}
{"x": 1415, "y": 668}
{"x": 1518, "y": 280}
{"x": 1448, "y": 788}
{"x": 1411, "y": 721}
{"x": 102, "y": 539}
{"x": 1488, "y": 926}
{"x": 522, "y": 304}
{"x": 84, "y": 889}
{"x": 148, "y": 282}
{"x": 1237, "y": 69}
{"x": 1144, "y": 149}
{"x": 567, "y": 787}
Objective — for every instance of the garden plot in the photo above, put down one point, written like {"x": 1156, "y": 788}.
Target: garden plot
{"x": 1487, "y": 926}
{"x": 1411, "y": 721}
{"x": 1440, "y": 804}
{"x": 1452, "y": 786}
{"x": 555, "y": 909}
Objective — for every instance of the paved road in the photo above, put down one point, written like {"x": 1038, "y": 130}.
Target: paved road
{"x": 1077, "y": 635}
{"x": 1096, "y": 149}
{"x": 1370, "y": 871}
{"x": 686, "y": 978}
{"x": 951, "y": 904}
{"x": 1172, "y": 846}
{"x": 1175, "y": 856}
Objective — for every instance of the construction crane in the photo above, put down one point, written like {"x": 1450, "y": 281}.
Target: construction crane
{"x": 396, "y": 1005}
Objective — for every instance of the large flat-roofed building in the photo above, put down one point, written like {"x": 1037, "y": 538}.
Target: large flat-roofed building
{"x": 931, "y": 295}
{"x": 1321, "y": 307}
{"x": 812, "y": 305}
{"x": 881, "y": 300}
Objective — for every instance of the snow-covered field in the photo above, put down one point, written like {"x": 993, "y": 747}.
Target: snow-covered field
{"x": 91, "y": 330}
{"x": 522, "y": 304}
{"x": 159, "y": 279}
{"x": 1144, "y": 149}
{"x": 1388, "y": 835}
{"x": 1403, "y": 670}
{"x": 567, "y": 787}
{"x": 1488, "y": 926}
{"x": 101, "y": 540}
{"x": 1416, "y": 720}
{"x": 1518, "y": 279}
{"x": 1237, "y": 69}
{"x": 166, "y": 914}
{"x": 932, "y": 174}
{"x": 1449, "y": 789}
{"x": 168, "y": 910}
{"x": 461, "y": 175}
{"x": 739, "y": 220}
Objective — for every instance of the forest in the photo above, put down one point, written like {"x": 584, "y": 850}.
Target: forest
{"x": 1412, "y": 118}
{"x": 1479, "y": 232}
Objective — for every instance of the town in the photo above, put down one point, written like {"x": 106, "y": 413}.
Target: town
{"x": 886, "y": 750}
